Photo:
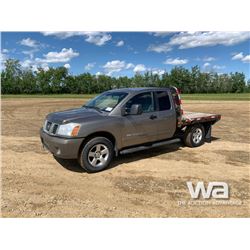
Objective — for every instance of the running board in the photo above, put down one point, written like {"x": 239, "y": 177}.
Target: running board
{"x": 143, "y": 147}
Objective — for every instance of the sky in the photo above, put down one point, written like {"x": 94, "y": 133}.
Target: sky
{"x": 126, "y": 53}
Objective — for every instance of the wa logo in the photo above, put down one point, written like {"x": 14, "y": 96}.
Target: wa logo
{"x": 217, "y": 190}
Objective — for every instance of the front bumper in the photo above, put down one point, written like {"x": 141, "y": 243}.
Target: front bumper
{"x": 66, "y": 148}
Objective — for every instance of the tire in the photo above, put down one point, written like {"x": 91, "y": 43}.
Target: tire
{"x": 194, "y": 136}
{"x": 96, "y": 154}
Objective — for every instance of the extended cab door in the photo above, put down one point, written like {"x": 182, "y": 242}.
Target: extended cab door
{"x": 166, "y": 115}
{"x": 140, "y": 128}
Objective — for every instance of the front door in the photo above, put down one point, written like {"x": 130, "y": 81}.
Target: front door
{"x": 140, "y": 128}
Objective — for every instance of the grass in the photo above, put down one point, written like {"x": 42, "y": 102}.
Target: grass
{"x": 217, "y": 97}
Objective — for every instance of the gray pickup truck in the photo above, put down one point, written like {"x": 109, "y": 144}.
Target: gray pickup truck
{"x": 119, "y": 120}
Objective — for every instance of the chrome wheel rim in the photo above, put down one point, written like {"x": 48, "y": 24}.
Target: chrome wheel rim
{"x": 98, "y": 155}
{"x": 197, "y": 135}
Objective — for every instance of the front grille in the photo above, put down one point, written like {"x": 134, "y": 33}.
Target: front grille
{"x": 54, "y": 129}
{"x": 51, "y": 128}
{"x": 48, "y": 126}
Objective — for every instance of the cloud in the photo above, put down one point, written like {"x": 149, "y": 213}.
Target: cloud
{"x": 65, "y": 55}
{"x": 114, "y": 66}
{"x": 117, "y": 66}
{"x": 34, "y": 46}
{"x": 130, "y": 66}
{"x": 27, "y": 63}
{"x": 31, "y": 64}
{"x": 209, "y": 59}
{"x": 63, "y": 35}
{"x": 30, "y": 53}
{"x": 161, "y": 33}
{"x": 29, "y": 43}
{"x": 159, "y": 48}
{"x": 97, "y": 38}
{"x": 176, "y": 61}
{"x": 218, "y": 67}
{"x": 89, "y": 66}
{"x": 158, "y": 72}
{"x": 246, "y": 59}
{"x": 3, "y": 58}
{"x": 120, "y": 43}
{"x": 187, "y": 40}
{"x": 240, "y": 56}
{"x": 140, "y": 68}
{"x": 67, "y": 66}
{"x": 208, "y": 67}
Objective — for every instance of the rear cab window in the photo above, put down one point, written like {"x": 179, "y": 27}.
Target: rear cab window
{"x": 163, "y": 100}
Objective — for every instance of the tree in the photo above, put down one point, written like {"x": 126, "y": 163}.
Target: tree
{"x": 18, "y": 80}
{"x": 180, "y": 77}
{"x": 238, "y": 82}
{"x": 11, "y": 77}
{"x": 28, "y": 82}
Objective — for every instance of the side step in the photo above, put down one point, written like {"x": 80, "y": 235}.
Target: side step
{"x": 143, "y": 147}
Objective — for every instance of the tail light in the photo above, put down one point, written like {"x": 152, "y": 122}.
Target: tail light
{"x": 178, "y": 100}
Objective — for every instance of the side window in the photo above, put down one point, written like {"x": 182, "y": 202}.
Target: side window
{"x": 163, "y": 100}
{"x": 145, "y": 99}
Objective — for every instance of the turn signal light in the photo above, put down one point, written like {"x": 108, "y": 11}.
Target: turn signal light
{"x": 75, "y": 131}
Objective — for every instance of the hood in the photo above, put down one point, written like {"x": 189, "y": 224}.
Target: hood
{"x": 72, "y": 115}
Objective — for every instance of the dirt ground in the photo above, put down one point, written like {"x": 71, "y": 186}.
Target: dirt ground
{"x": 149, "y": 183}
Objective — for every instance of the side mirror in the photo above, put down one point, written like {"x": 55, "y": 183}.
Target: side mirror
{"x": 136, "y": 109}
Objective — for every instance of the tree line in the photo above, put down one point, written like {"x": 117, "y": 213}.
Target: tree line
{"x": 17, "y": 80}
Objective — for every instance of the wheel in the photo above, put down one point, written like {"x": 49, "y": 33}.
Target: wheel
{"x": 96, "y": 154}
{"x": 194, "y": 136}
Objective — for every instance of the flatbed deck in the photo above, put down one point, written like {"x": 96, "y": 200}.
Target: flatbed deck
{"x": 194, "y": 117}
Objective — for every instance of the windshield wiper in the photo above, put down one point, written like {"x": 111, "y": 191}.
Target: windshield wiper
{"x": 92, "y": 107}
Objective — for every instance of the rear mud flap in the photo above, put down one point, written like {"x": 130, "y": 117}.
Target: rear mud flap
{"x": 208, "y": 134}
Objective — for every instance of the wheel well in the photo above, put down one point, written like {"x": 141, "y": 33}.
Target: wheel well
{"x": 98, "y": 134}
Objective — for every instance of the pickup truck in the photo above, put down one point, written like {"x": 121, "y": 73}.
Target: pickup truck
{"x": 122, "y": 119}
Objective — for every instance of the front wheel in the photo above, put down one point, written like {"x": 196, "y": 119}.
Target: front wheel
{"x": 194, "y": 136}
{"x": 96, "y": 154}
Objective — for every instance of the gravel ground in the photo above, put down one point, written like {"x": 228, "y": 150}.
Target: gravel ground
{"x": 149, "y": 183}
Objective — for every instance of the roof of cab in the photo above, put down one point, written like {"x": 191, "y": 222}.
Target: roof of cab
{"x": 131, "y": 90}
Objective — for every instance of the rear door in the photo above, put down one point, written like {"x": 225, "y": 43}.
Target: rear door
{"x": 141, "y": 128}
{"x": 166, "y": 115}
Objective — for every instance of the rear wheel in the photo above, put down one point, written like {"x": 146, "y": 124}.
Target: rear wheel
{"x": 96, "y": 154}
{"x": 194, "y": 136}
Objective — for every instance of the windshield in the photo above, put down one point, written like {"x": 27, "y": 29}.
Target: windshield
{"x": 107, "y": 101}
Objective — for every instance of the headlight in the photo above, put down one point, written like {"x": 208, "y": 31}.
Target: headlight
{"x": 44, "y": 125}
{"x": 70, "y": 129}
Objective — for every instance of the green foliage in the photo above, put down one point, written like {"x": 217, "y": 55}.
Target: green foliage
{"x": 16, "y": 80}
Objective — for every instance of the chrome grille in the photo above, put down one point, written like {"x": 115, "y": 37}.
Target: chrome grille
{"x": 48, "y": 126}
{"x": 51, "y": 127}
{"x": 54, "y": 128}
